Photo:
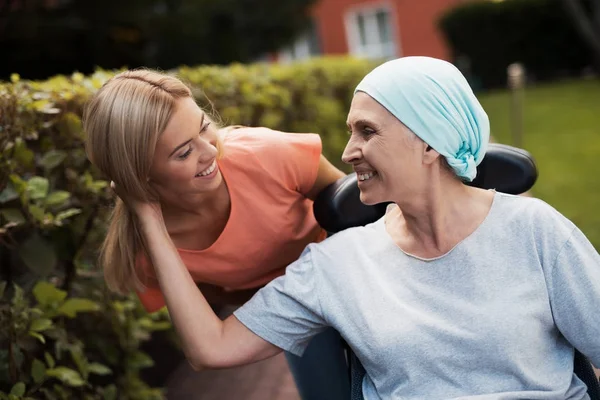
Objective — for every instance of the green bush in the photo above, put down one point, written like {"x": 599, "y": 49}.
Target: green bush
{"x": 62, "y": 335}
{"x": 313, "y": 96}
{"x": 492, "y": 35}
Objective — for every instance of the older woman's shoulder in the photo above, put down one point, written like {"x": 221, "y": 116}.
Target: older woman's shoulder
{"x": 533, "y": 214}
{"x": 352, "y": 242}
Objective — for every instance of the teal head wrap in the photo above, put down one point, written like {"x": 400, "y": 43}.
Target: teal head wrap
{"x": 433, "y": 99}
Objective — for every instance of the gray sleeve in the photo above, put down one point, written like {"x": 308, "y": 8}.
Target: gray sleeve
{"x": 287, "y": 312}
{"x": 574, "y": 288}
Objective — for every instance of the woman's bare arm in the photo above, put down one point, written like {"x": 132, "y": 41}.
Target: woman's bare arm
{"x": 326, "y": 175}
{"x": 207, "y": 341}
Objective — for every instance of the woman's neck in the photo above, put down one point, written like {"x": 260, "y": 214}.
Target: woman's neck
{"x": 198, "y": 206}
{"x": 431, "y": 223}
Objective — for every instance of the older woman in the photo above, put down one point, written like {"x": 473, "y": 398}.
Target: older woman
{"x": 456, "y": 292}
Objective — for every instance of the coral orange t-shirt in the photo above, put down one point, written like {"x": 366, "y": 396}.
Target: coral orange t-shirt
{"x": 271, "y": 221}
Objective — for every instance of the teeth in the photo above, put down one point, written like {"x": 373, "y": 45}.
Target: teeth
{"x": 208, "y": 170}
{"x": 366, "y": 177}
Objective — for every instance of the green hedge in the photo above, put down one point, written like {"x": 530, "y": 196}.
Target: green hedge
{"x": 492, "y": 35}
{"x": 62, "y": 335}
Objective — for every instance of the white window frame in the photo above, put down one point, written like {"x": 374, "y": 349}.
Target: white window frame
{"x": 374, "y": 47}
{"x": 300, "y": 49}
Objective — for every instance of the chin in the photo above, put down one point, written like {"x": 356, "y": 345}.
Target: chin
{"x": 369, "y": 199}
{"x": 211, "y": 184}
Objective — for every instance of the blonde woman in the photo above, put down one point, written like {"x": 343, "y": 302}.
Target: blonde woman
{"x": 236, "y": 203}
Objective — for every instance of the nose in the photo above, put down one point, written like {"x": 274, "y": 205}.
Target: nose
{"x": 352, "y": 152}
{"x": 207, "y": 150}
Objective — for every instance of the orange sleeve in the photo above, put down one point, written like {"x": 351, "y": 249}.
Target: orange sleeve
{"x": 151, "y": 296}
{"x": 292, "y": 157}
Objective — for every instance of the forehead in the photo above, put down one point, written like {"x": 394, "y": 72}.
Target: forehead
{"x": 183, "y": 125}
{"x": 364, "y": 107}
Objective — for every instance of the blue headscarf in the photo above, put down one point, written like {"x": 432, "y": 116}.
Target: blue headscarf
{"x": 433, "y": 99}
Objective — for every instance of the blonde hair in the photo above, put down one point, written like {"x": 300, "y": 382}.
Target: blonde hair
{"x": 123, "y": 122}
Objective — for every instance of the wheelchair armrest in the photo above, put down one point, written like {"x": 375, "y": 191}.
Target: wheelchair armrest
{"x": 504, "y": 168}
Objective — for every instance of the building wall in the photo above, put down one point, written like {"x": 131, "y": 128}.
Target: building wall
{"x": 415, "y": 27}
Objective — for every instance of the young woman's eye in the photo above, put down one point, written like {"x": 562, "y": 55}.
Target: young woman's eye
{"x": 186, "y": 154}
{"x": 205, "y": 127}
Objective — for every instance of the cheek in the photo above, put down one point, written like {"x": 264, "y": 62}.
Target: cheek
{"x": 378, "y": 155}
{"x": 176, "y": 172}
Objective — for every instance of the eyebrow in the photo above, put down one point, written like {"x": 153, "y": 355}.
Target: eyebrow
{"x": 189, "y": 140}
{"x": 361, "y": 121}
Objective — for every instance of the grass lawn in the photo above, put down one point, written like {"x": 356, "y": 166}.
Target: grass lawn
{"x": 561, "y": 129}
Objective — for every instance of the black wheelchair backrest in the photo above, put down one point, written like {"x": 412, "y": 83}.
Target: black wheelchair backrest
{"x": 504, "y": 168}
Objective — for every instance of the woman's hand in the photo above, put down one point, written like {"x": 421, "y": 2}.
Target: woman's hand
{"x": 143, "y": 210}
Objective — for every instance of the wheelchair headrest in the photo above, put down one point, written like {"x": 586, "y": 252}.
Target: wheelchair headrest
{"x": 505, "y": 168}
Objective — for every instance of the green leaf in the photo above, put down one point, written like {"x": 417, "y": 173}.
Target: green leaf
{"x": 139, "y": 360}
{"x": 40, "y": 324}
{"x": 48, "y": 393}
{"x": 49, "y": 360}
{"x": 37, "y": 187}
{"x": 13, "y": 215}
{"x": 71, "y": 125}
{"x": 22, "y": 154}
{"x": 38, "y": 336}
{"x": 38, "y": 370}
{"x": 99, "y": 369}
{"x": 66, "y": 214}
{"x": 80, "y": 360}
{"x": 8, "y": 194}
{"x": 53, "y": 159}
{"x": 19, "y": 184}
{"x": 74, "y": 305}
{"x": 18, "y": 299}
{"x": 18, "y": 390}
{"x": 57, "y": 198}
{"x": 38, "y": 255}
{"x": 36, "y": 212}
{"x": 47, "y": 294}
{"x": 66, "y": 375}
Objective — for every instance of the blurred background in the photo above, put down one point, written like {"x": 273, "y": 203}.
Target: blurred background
{"x": 290, "y": 65}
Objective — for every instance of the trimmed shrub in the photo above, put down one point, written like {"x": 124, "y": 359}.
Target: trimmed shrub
{"x": 489, "y": 36}
{"x": 62, "y": 335}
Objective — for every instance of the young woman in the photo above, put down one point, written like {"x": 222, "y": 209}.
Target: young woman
{"x": 236, "y": 203}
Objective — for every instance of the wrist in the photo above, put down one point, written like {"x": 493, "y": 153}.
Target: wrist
{"x": 150, "y": 219}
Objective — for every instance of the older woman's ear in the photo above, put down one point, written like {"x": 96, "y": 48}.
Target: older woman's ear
{"x": 429, "y": 154}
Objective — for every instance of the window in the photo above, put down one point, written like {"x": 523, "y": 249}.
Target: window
{"x": 305, "y": 46}
{"x": 370, "y": 33}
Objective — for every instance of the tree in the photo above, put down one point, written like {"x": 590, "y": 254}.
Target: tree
{"x": 82, "y": 34}
{"x": 586, "y": 18}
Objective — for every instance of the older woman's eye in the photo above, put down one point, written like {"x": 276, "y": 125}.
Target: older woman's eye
{"x": 368, "y": 131}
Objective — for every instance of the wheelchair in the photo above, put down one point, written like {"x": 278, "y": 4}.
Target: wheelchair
{"x": 505, "y": 168}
